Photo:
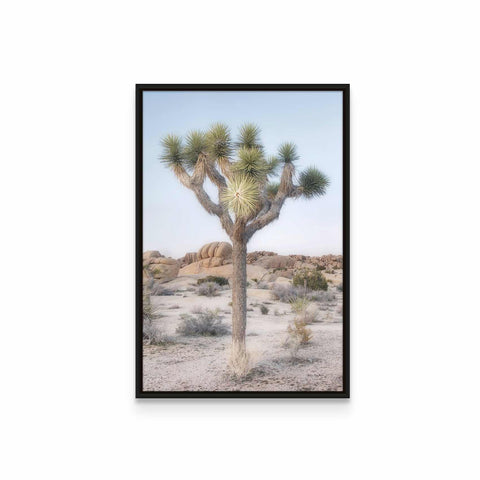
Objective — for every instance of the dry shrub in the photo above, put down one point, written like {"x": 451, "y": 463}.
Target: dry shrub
{"x": 298, "y": 332}
{"x": 204, "y": 322}
{"x": 159, "y": 290}
{"x": 298, "y": 328}
{"x": 222, "y": 281}
{"x": 209, "y": 289}
{"x": 299, "y": 305}
{"x": 285, "y": 293}
{"x": 264, "y": 309}
{"x": 305, "y": 311}
{"x": 289, "y": 293}
{"x": 321, "y": 296}
{"x": 293, "y": 344}
{"x": 150, "y": 312}
{"x": 152, "y": 335}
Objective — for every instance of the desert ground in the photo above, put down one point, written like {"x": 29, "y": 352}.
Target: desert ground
{"x": 200, "y": 363}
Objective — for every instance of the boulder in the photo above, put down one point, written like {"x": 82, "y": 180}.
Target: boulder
{"x": 211, "y": 262}
{"x": 189, "y": 258}
{"x": 158, "y": 267}
{"x": 149, "y": 255}
{"x": 221, "y": 250}
{"x": 276, "y": 261}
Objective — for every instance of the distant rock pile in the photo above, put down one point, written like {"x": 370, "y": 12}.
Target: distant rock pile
{"x": 272, "y": 260}
{"x": 285, "y": 265}
{"x": 215, "y": 259}
{"x": 252, "y": 257}
{"x": 276, "y": 262}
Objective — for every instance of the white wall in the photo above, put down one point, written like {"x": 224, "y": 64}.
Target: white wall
{"x": 67, "y": 197}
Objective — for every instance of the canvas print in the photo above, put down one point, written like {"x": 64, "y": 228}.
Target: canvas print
{"x": 242, "y": 231}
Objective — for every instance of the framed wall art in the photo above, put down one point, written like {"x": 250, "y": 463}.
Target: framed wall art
{"x": 242, "y": 241}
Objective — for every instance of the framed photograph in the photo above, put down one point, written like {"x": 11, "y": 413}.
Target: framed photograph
{"x": 242, "y": 241}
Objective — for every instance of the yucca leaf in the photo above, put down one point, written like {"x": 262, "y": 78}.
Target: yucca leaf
{"x": 272, "y": 165}
{"x": 271, "y": 190}
{"x": 241, "y": 196}
{"x": 172, "y": 153}
{"x": 287, "y": 152}
{"x": 195, "y": 144}
{"x": 219, "y": 143}
{"x": 313, "y": 182}
{"x": 249, "y": 136}
{"x": 251, "y": 163}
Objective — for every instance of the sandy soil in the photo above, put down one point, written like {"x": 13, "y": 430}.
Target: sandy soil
{"x": 200, "y": 363}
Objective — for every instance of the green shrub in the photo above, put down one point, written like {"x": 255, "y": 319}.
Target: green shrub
{"x": 264, "y": 309}
{"x": 222, "y": 281}
{"x": 313, "y": 279}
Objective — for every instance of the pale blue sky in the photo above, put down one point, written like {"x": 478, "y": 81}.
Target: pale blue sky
{"x": 174, "y": 222}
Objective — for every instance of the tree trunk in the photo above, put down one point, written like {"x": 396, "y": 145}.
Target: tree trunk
{"x": 239, "y": 294}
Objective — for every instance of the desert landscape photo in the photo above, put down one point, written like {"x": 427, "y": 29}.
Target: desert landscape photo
{"x": 242, "y": 261}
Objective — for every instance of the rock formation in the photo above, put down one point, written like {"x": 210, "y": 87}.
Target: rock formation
{"x": 158, "y": 267}
{"x": 272, "y": 260}
{"x": 252, "y": 257}
{"x": 189, "y": 258}
{"x": 216, "y": 259}
{"x": 211, "y": 255}
{"x": 221, "y": 250}
{"x": 276, "y": 261}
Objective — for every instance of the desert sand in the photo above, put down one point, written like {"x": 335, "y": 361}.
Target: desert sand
{"x": 200, "y": 363}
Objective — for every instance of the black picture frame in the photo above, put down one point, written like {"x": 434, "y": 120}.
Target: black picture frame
{"x": 345, "y": 89}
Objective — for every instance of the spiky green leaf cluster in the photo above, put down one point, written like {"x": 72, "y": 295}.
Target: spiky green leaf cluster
{"x": 251, "y": 163}
{"x": 313, "y": 182}
{"x": 287, "y": 152}
{"x": 273, "y": 163}
{"x": 172, "y": 153}
{"x": 195, "y": 144}
{"x": 219, "y": 142}
{"x": 249, "y": 137}
{"x": 241, "y": 196}
{"x": 271, "y": 190}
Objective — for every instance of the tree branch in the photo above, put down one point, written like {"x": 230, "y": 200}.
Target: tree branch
{"x": 286, "y": 190}
{"x": 215, "y": 176}
{"x": 195, "y": 183}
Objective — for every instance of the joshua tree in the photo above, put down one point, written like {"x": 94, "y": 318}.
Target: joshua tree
{"x": 243, "y": 175}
